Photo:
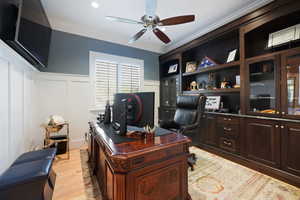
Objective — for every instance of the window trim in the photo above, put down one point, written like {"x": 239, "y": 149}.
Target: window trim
{"x": 93, "y": 56}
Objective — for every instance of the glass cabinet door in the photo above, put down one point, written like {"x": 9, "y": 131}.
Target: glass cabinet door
{"x": 291, "y": 85}
{"x": 263, "y": 87}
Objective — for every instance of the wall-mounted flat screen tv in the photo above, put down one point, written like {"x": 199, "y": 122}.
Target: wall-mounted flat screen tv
{"x": 31, "y": 35}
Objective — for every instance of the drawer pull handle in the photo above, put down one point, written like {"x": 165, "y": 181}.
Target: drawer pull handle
{"x": 227, "y": 143}
{"x": 227, "y": 129}
{"x": 229, "y": 119}
{"x": 225, "y": 119}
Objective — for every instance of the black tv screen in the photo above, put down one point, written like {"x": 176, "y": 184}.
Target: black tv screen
{"x": 25, "y": 27}
{"x": 33, "y": 31}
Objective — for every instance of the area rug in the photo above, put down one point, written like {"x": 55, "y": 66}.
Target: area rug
{"x": 92, "y": 190}
{"x": 215, "y": 178}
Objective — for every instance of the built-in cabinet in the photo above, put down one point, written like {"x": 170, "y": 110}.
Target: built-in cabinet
{"x": 290, "y": 140}
{"x": 290, "y": 81}
{"x": 263, "y": 141}
{"x": 258, "y": 123}
{"x": 210, "y": 130}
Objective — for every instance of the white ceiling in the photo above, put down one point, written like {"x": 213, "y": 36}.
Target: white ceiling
{"x": 79, "y": 17}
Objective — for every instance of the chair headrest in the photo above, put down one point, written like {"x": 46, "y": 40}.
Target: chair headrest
{"x": 189, "y": 102}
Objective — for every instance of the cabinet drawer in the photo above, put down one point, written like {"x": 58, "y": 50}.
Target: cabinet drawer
{"x": 228, "y": 120}
{"x": 227, "y": 144}
{"x": 229, "y": 130}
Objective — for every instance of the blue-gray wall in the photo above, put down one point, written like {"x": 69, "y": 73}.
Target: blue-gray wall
{"x": 69, "y": 54}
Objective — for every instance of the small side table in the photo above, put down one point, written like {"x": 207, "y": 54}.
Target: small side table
{"x": 49, "y": 130}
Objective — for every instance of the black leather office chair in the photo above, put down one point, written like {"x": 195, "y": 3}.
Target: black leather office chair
{"x": 187, "y": 119}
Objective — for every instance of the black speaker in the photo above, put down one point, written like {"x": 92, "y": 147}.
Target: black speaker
{"x": 123, "y": 117}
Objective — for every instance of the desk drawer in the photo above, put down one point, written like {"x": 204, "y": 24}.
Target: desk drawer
{"x": 228, "y": 144}
{"x": 228, "y": 120}
{"x": 229, "y": 130}
{"x": 157, "y": 156}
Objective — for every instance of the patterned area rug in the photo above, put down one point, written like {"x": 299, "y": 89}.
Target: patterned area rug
{"x": 91, "y": 185}
{"x": 215, "y": 178}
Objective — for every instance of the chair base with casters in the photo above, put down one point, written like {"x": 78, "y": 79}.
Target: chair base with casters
{"x": 187, "y": 120}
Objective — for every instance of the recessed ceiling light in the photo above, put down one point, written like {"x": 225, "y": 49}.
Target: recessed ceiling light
{"x": 95, "y": 4}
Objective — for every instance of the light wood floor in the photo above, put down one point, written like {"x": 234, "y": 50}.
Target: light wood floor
{"x": 69, "y": 182}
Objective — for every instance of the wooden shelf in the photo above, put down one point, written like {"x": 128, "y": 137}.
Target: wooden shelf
{"x": 213, "y": 68}
{"x": 270, "y": 55}
{"x": 225, "y": 90}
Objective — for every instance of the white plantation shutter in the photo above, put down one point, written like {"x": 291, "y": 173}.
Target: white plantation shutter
{"x": 105, "y": 82}
{"x": 110, "y": 75}
{"x": 129, "y": 78}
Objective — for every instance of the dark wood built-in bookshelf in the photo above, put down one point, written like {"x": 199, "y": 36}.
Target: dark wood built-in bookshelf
{"x": 263, "y": 114}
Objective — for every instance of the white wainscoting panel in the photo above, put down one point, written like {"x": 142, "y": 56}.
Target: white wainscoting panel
{"x": 4, "y": 115}
{"x": 67, "y": 96}
{"x": 16, "y": 112}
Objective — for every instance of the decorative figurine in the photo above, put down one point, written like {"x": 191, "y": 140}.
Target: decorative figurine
{"x": 202, "y": 85}
{"x": 225, "y": 84}
{"x": 211, "y": 81}
{"x": 194, "y": 86}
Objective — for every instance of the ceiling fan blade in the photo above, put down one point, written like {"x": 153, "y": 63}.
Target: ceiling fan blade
{"x": 163, "y": 37}
{"x": 138, "y": 35}
{"x": 151, "y": 6}
{"x": 177, "y": 20}
{"x": 119, "y": 19}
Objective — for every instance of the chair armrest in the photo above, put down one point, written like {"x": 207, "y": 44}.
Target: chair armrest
{"x": 189, "y": 127}
{"x": 169, "y": 125}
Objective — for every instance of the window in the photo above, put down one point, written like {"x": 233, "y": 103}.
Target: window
{"x": 129, "y": 78}
{"x": 113, "y": 74}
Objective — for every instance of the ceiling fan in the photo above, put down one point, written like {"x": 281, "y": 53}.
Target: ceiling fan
{"x": 151, "y": 21}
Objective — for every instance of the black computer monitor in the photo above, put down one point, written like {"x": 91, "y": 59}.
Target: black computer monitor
{"x": 140, "y": 108}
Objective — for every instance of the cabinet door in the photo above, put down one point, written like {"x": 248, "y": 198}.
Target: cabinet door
{"x": 291, "y": 148}
{"x": 211, "y": 130}
{"x": 169, "y": 91}
{"x": 172, "y": 91}
{"x": 263, "y": 141}
{"x": 164, "y": 92}
{"x": 263, "y": 82}
{"x": 291, "y": 85}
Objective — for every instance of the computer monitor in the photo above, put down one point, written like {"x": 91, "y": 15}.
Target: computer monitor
{"x": 140, "y": 108}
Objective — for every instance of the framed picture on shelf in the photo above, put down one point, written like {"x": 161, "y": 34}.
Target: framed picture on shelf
{"x": 213, "y": 103}
{"x": 191, "y": 67}
{"x": 173, "y": 69}
{"x": 232, "y": 56}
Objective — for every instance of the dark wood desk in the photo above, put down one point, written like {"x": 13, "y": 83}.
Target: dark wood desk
{"x": 140, "y": 169}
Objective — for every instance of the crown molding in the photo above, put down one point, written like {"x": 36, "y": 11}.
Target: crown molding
{"x": 235, "y": 15}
